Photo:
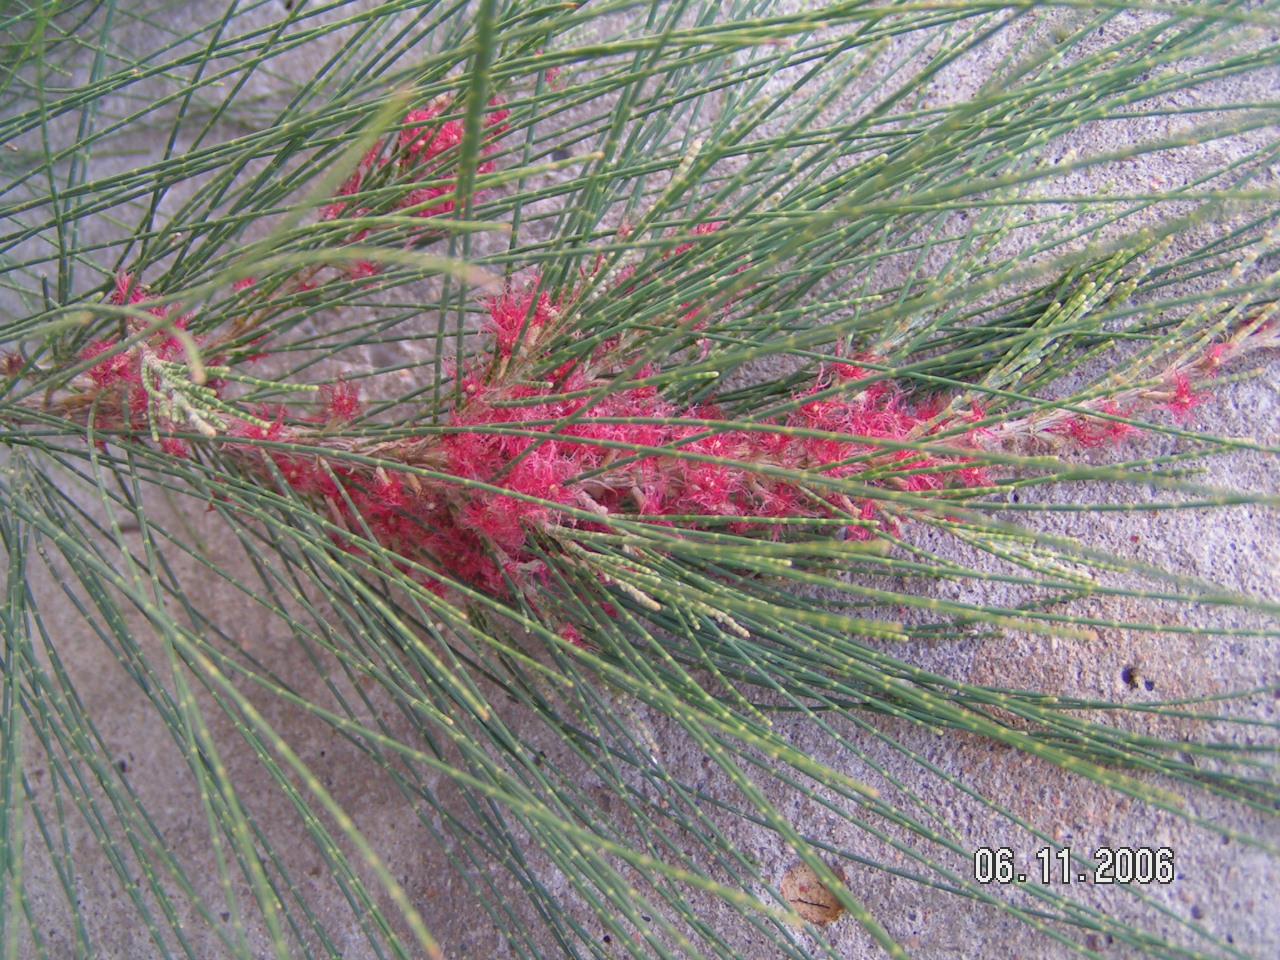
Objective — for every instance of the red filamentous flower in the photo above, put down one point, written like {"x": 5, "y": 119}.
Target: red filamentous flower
{"x": 341, "y": 402}
{"x": 522, "y": 477}
{"x": 1096, "y": 431}
{"x": 520, "y": 311}
{"x": 424, "y": 149}
{"x": 1184, "y": 399}
{"x": 557, "y": 477}
{"x": 119, "y": 378}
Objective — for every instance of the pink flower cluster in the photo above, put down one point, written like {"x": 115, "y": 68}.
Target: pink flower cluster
{"x": 424, "y": 150}
{"x": 1185, "y": 399}
{"x": 1096, "y": 431}
{"x": 558, "y": 477}
{"x": 531, "y": 460}
{"x": 1176, "y": 395}
{"x": 518, "y": 317}
{"x": 120, "y": 378}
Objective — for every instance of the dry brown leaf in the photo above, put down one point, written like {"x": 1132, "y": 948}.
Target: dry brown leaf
{"x": 809, "y": 896}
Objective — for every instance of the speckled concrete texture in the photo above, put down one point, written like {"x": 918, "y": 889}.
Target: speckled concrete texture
{"x": 1223, "y": 884}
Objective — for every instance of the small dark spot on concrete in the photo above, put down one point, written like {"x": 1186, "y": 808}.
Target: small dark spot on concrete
{"x": 225, "y": 915}
{"x": 1197, "y": 912}
{"x": 1230, "y": 938}
{"x": 608, "y": 939}
{"x": 645, "y": 917}
{"x": 1149, "y": 684}
{"x": 559, "y": 153}
{"x": 1014, "y": 497}
{"x": 122, "y": 766}
{"x": 1130, "y": 677}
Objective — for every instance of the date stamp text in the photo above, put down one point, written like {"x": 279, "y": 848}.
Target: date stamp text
{"x": 1050, "y": 865}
